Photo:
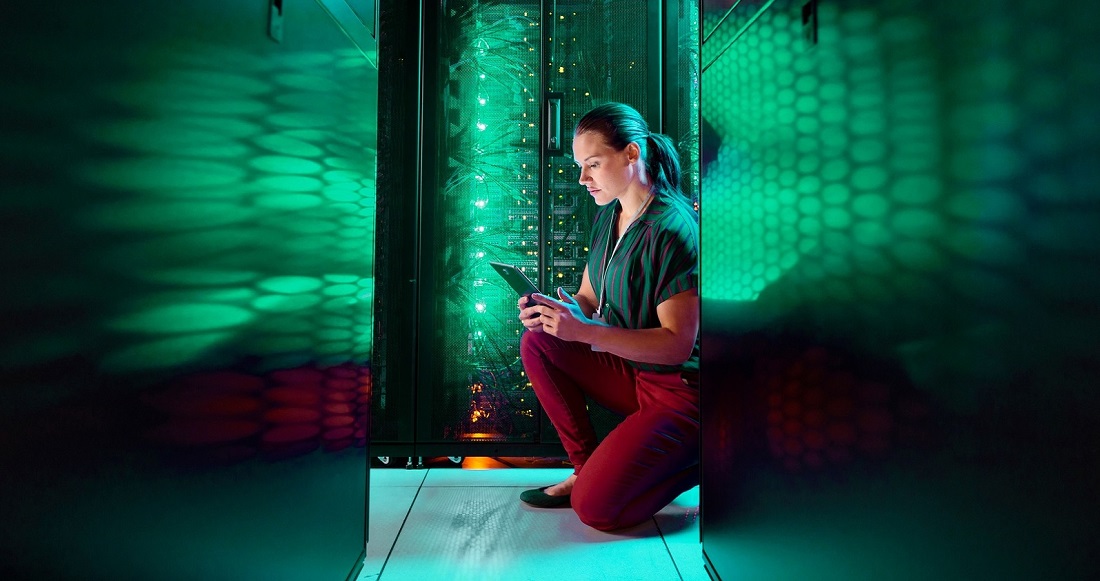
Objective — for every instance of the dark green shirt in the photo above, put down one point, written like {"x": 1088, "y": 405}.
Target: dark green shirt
{"x": 657, "y": 258}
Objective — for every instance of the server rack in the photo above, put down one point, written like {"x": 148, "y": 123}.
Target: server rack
{"x": 475, "y": 165}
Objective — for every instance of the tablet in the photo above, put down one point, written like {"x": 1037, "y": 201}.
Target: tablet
{"x": 515, "y": 279}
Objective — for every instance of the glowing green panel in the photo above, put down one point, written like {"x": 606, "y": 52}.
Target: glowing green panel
{"x": 289, "y": 183}
{"x": 289, "y": 201}
{"x": 197, "y": 276}
{"x": 917, "y": 223}
{"x": 340, "y": 290}
{"x": 290, "y": 284}
{"x": 167, "y": 352}
{"x": 916, "y": 190}
{"x": 285, "y": 304}
{"x": 167, "y": 216}
{"x": 144, "y": 174}
{"x": 870, "y": 178}
{"x": 286, "y": 165}
{"x": 870, "y": 206}
{"x": 183, "y": 318}
{"x": 288, "y": 146}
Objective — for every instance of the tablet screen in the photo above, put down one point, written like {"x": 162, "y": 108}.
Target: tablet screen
{"x": 515, "y": 279}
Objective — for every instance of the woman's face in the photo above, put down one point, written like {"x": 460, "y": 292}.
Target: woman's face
{"x": 605, "y": 172}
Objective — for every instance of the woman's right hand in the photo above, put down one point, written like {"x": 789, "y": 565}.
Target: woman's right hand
{"x": 530, "y": 314}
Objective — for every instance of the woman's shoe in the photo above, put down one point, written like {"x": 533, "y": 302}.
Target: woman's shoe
{"x": 538, "y": 497}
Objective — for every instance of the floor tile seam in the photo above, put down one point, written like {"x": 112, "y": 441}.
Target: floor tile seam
{"x": 668, "y": 549}
{"x": 401, "y": 529}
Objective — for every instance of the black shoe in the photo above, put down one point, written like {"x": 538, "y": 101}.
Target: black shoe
{"x": 538, "y": 497}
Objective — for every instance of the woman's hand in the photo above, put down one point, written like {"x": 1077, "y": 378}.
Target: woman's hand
{"x": 564, "y": 319}
{"x": 530, "y": 314}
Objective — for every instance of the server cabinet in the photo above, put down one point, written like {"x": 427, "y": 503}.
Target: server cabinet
{"x": 482, "y": 171}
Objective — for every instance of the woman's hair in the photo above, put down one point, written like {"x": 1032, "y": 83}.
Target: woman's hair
{"x": 620, "y": 125}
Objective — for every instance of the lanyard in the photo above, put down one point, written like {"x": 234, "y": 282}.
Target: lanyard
{"x": 607, "y": 269}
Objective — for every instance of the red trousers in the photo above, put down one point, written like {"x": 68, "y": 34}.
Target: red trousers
{"x": 649, "y": 459}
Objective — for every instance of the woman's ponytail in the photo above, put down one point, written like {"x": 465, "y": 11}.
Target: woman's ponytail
{"x": 662, "y": 163}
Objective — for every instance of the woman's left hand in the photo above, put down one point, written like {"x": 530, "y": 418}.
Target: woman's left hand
{"x": 564, "y": 318}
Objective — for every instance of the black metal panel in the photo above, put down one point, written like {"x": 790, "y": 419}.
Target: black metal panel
{"x": 393, "y": 361}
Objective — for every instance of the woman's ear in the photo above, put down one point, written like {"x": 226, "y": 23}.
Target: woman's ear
{"x": 633, "y": 152}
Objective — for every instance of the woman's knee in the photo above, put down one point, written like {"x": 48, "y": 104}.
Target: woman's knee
{"x": 596, "y": 517}
{"x": 602, "y": 516}
{"x": 534, "y": 344}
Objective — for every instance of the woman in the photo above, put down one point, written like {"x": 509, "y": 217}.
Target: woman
{"x": 628, "y": 337}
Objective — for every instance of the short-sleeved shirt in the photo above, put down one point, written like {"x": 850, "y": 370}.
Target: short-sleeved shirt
{"x": 657, "y": 258}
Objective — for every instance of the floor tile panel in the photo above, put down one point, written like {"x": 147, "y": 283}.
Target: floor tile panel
{"x": 389, "y": 505}
{"x": 484, "y": 533}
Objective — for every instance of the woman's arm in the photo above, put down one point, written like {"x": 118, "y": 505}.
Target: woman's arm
{"x": 669, "y": 344}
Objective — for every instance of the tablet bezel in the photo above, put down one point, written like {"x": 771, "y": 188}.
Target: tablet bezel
{"x": 515, "y": 278}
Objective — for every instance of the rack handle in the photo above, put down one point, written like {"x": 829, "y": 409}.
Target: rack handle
{"x": 553, "y": 122}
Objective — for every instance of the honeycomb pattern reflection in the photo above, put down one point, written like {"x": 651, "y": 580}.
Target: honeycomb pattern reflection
{"x": 898, "y": 183}
{"x": 203, "y": 207}
{"x": 900, "y": 282}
